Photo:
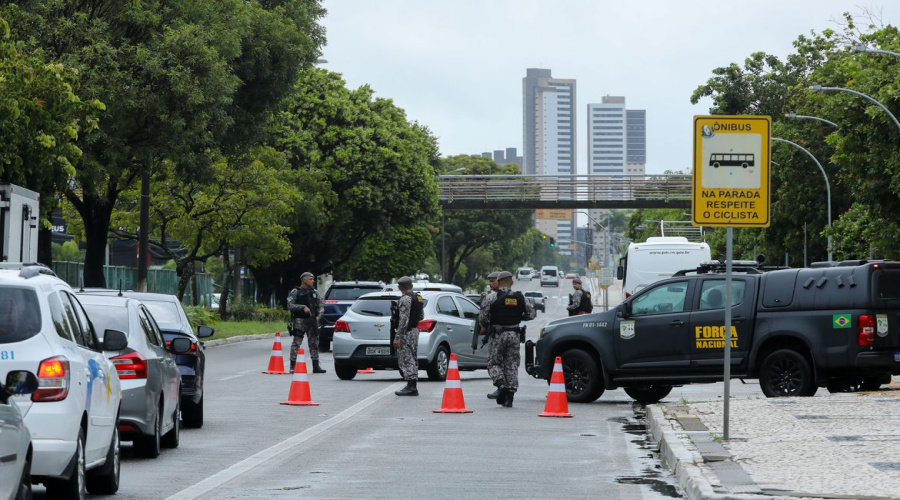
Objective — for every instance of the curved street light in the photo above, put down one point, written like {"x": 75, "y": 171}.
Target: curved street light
{"x": 866, "y": 50}
{"x": 827, "y": 186}
{"x": 805, "y": 117}
{"x": 819, "y": 88}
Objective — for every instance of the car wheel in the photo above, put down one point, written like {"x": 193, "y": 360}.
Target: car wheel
{"x": 74, "y": 486}
{"x": 582, "y": 376}
{"x": 171, "y": 439}
{"x": 24, "y": 490}
{"x": 149, "y": 446}
{"x": 648, "y": 394}
{"x": 437, "y": 369}
{"x": 345, "y": 372}
{"x": 786, "y": 372}
{"x": 105, "y": 479}
{"x": 192, "y": 414}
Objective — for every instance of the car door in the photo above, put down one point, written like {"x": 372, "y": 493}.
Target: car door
{"x": 101, "y": 405}
{"x": 708, "y": 323}
{"x": 11, "y": 454}
{"x": 451, "y": 323}
{"x": 169, "y": 379}
{"x": 655, "y": 335}
{"x": 464, "y": 354}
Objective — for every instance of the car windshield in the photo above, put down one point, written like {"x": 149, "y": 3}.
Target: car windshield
{"x": 163, "y": 312}
{"x": 107, "y": 317}
{"x": 352, "y": 293}
{"x": 20, "y": 314}
{"x": 549, "y": 272}
{"x": 377, "y": 306}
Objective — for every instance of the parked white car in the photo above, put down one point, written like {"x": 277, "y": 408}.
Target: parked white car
{"x": 73, "y": 414}
{"x": 15, "y": 438}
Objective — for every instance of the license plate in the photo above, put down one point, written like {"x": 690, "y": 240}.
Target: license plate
{"x": 378, "y": 351}
{"x": 897, "y": 356}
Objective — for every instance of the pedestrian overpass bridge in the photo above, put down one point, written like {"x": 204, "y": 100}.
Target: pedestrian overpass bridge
{"x": 507, "y": 192}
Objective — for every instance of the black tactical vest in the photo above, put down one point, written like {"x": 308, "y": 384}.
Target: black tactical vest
{"x": 308, "y": 297}
{"x": 508, "y": 309}
{"x": 416, "y": 311}
{"x": 585, "y": 305}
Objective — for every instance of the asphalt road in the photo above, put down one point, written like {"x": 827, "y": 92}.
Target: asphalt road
{"x": 362, "y": 441}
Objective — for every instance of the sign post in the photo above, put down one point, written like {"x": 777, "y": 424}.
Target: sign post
{"x": 731, "y": 188}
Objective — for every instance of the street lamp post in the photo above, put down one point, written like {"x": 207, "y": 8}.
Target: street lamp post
{"x": 819, "y": 88}
{"x": 827, "y": 187}
{"x": 866, "y": 50}
{"x": 805, "y": 117}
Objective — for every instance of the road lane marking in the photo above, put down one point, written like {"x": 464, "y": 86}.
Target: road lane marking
{"x": 263, "y": 456}
{"x": 240, "y": 374}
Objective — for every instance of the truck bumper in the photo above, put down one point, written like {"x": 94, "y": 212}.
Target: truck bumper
{"x": 879, "y": 361}
{"x": 530, "y": 367}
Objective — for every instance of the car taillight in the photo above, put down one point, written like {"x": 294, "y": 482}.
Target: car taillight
{"x": 131, "y": 365}
{"x": 331, "y": 301}
{"x": 627, "y": 295}
{"x": 53, "y": 380}
{"x": 192, "y": 351}
{"x": 866, "y": 336}
{"x": 341, "y": 326}
{"x": 427, "y": 325}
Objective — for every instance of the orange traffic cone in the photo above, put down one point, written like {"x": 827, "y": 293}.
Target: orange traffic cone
{"x": 299, "y": 394}
{"x": 276, "y": 360}
{"x": 557, "y": 405}
{"x": 367, "y": 370}
{"x": 453, "y": 396}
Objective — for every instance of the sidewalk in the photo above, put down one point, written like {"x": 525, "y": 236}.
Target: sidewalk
{"x": 843, "y": 445}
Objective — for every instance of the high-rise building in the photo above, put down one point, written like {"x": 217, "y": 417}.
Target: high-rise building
{"x": 636, "y": 147}
{"x": 548, "y": 114}
{"x": 505, "y": 157}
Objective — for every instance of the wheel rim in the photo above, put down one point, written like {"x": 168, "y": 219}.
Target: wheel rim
{"x": 785, "y": 376}
{"x": 576, "y": 375}
{"x": 156, "y": 429}
{"x": 116, "y": 457}
{"x": 82, "y": 487}
{"x": 443, "y": 362}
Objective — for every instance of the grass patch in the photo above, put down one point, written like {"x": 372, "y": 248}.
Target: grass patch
{"x": 226, "y": 329}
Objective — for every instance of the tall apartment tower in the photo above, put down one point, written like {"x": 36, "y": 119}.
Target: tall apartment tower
{"x": 636, "y": 146}
{"x": 548, "y": 114}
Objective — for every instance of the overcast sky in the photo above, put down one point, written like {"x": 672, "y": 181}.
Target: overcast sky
{"x": 456, "y": 66}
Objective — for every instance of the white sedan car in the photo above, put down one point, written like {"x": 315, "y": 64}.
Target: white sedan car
{"x": 15, "y": 438}
{"x": 73, "y": 414}
{"x": 362, "y": 337}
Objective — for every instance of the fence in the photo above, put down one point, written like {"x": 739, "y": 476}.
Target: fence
{"x": 158, "y": 281}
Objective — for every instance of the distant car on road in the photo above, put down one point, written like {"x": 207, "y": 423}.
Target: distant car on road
{"x": 151, "y": 382}
{"x": 525, "y": 273}
{"x": 538, "y": 299}
{"x": 475, "y": 298}
{"x": 338, "y": 298}
{"x": 362, "y": 336}
{"x": 572, "y": 276}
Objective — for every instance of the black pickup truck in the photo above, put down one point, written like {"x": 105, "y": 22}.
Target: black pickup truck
{"x": 835, "y": 326}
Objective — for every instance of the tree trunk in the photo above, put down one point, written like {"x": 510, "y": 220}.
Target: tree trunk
{"x": 185, "y": 271}
{"x": 223, "y": 298}
{"x": 96, "y": 217}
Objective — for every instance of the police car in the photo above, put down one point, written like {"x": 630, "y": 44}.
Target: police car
{"x": 74, "y": 412}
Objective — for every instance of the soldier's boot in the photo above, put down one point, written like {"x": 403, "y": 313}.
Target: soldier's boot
{"x": 494, "y": 394}
{"x": 507, "y": 403}
{"x": 501, "y": 398}
{"x": 316, "y": 367}
{"x": 409, "y": 390}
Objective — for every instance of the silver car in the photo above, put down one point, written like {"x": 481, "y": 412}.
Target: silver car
{"x": 150, "y": 378}
{"x": 362, "y": 335}
{"x": 15, "y": 439}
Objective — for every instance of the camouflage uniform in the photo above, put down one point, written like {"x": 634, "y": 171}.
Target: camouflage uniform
{"x": 409, "y": 339}
{"x": 301, "y": 324}
{"x": 575, "y": 302}
{"x": 503, "y": 347}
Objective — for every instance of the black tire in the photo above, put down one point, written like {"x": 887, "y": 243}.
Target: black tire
{"x": 437, "y": 369}
{"x": 648, "y": 394}
{"x": 73, "y": 487}
{"x": 345, "y": 372}
{"x": 870, "y": 384}
{"x": 786, "y": 373}
{"x": 23, "y": 492}
{"x": 584, "y": 383}
{"x": 150, "y": 446}
{"x": 173, "y": 437}
{"x": 105, "y": 479}
{"x": 192, "y": 414}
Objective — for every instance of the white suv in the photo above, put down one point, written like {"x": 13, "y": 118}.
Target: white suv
{"x": 73, "y": 414}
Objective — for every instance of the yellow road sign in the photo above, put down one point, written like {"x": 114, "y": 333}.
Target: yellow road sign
{"x": 731, "y": 171}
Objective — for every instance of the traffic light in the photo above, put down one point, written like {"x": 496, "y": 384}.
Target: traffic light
{"x": 552, "y": 242}
{"x": 544, "y": 236}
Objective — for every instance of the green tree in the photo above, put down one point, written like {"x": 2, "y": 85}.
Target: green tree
{"x": 67, "y": 252}
{"x": 182, "y": 80}
{"x": 378, "y": 169}
{"x": 395, "y": 252}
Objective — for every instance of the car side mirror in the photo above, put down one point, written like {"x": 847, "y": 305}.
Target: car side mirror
{"x": 205, "y": 331}
{"x": 180, "y": 345}
{"x": 620, "y": 273}
{"x": 18, "y": 382}
{"x": 624, "y": 310}
{"x": 114, "y": 340}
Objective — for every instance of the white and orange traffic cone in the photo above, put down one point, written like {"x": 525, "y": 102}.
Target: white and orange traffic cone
{"x": 453, "y": 401}
{"x": 557, "y": 405}
{"x": 276, "y": 360}
{"x": 299, "y": 394}
{"x": 367, "y": 370}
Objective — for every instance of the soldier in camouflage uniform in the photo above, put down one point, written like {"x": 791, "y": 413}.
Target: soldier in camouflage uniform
{"x": 406, "y": 341}
{"x": 579, "y": 300}
{"x": 306, "y": 308}
{"x": 501, "y": 312}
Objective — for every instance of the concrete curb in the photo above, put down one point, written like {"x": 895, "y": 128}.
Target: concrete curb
{"x": 240, "y": 338}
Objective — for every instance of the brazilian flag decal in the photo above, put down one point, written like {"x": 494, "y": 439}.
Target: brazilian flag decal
{"x": 840, "y": 321}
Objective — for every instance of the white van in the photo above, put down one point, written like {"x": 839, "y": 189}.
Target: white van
{"x": 549, "y": 276}
{"x": 658, "y": 258}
